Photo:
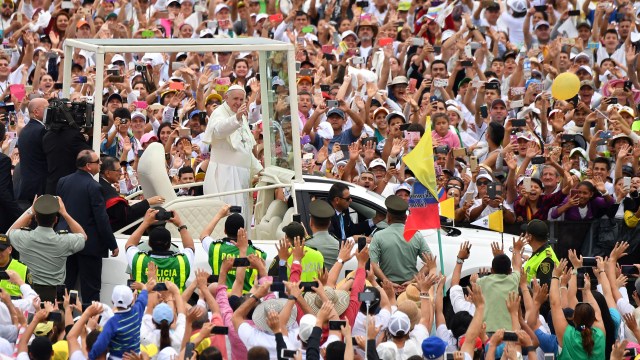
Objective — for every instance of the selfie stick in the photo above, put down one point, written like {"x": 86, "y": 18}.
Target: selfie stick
{"x": 366, "y": 338}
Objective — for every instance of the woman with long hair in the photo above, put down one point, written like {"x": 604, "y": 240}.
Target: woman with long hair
{"x": 157, "y": 321}
{"x": 585, "y": 339}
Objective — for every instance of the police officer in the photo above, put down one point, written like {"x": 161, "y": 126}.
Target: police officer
{"x": 43, "y": 250}
{"x": 174, "y": 267}
{"x": 392, "y": 257}
{"x": 234, "y": 245}
{"x": 9, "y": 263}
{"x": 313, "y": 262}
{"x": 322, "y": 240}
{"x": 542, "y": 261}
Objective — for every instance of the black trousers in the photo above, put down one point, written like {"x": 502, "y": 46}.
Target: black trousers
{"x": 89, "y": 271}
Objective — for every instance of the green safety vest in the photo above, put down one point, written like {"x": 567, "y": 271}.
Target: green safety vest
{"x": 312, "y": 264}
{"x": 8, "y": 286}
{"x": 531, "y": 266}
{"x": 220, "y": 250}
{"x": 175, "y": 268}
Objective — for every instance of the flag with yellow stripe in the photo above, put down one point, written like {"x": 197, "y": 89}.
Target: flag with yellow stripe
{"x": 447, "y": 208}
{"x": 494, "y": 221}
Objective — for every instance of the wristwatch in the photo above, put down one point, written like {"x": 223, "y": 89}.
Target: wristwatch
{"x": 340, "y": 261}
{"x": 459, "y": 261}
{"x": 255, "y": 297}
{"x": 291, "y": 297}
{"x": 181, "y": 227}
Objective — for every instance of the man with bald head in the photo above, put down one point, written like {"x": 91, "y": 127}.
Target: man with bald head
{"x": 33, "y": 163}
{"x": 82, "y": 197}
{"x": 232, "y": 162}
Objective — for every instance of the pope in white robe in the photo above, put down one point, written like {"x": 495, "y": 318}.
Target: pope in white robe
{"x": 232, "y": 163}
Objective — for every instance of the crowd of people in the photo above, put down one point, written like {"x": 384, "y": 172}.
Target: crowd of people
{"x": 531, "y": 110}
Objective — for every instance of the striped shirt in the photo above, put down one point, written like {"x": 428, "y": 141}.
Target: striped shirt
{"x": 121, "y": 333}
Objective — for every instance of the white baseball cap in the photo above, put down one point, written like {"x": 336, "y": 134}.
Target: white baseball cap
{"x": 122, "y": 296}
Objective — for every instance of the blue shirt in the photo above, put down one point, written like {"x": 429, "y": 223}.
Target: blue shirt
{"x": 346, "y": 137}
{"x": 121, "y": 334}
{"x": 548, "y": 342}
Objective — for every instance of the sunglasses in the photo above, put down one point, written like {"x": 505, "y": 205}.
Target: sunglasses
{"x": 482, "y": 183}
{"x": 348, "y": 198}
{"x": 5, "y": 5}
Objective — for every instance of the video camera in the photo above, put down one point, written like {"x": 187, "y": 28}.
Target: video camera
{"x": 63, "y": 113}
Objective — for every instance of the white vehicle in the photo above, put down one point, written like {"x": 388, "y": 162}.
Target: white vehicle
{"x": 282, "y": 162}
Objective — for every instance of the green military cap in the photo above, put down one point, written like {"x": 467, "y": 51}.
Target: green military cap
{"x": 46, "y": 205}
{"x": 4, "y": 242}
{"x": 321, "y": 209}
{"x": 396, "y": 205}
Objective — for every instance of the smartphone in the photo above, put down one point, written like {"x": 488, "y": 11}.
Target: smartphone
{"x": 484, "y": 112}
{"x": 54, "y": 316}
{"x": 212, "y": 279}
{"x": 589, "y": 262}
{"x": 385, "y": 41}
{"x": 367, "y": 296}
{"x": 300, "y": 40}
{"x": 164, "y": 14}
{"x": 629, "y": 270}
{"x": 220, "y": 330}
{"x": 286, "y": 353}
{"x": 57, "y": 86}
{"x": 73, "y": 296}
{"x": 538, "y": 160}
{"x": 306, "y": 72}
{"x": 628, "y": 85}
{"x": 580, "y": 280}
{"x": 518, "y": 122}
{"x": 362, "y": 4}
{"x": 626, "y": 182}
{"x": 437, "y": 50}
{"x": 184, "y": 132}
{"x": 549, "y": 356}
{"x": 510, "y": 336}
{"x": 527, "y": 183}
{"x": 307, "y": 285}
{"x": 605, "y": 135}
{"x": 130, "y": 282}
{"x": 147, "y": 34}
{"x": 176, "y": 85}
{"x": 573, "y": 193}
{"x": 491, "y": 85}
{"x": 4, "y": 275}
{"x": 177, "y": 65}
{"x": 459, "y": 153}
{"x": 613, "y": 100}
{"x": 276, "y": 18}
{"x": 473, "y": 163}
{"x": 540, "y": 8}
{"x": 235, "y": 209}
{"x": 188, "y": 351}
{"x": 81, "y": 80}
{"x": 336, "y": 324}
{"x": 277, "y": 287}
{"x": 568, "y": 137}
{"x": 412, "y": 85}
{"x": 160, "y": 287}
{"x": 631, "y": 352}
{"x": 492, "y": 191}
{"x": 332, "y": 103}
{"x": 574, "y": 12}
{"x": 164, "y": 215}
{"x": 362, "y": 243}
{"x": 357, "y": 60}
{"x": 241, "y": 262}
{"x": 466, "y": 63}
{"x": 417, "y": 41}
{"x": 60, "y": 293}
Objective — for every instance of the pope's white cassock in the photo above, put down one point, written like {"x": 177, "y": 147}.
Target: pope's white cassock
{"x": 232, "y": 162}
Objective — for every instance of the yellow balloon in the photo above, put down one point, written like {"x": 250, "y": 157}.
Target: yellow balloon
{"x": 565, "y": 86}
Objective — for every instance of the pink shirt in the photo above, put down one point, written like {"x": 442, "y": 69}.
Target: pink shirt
{"x": 450, "y": 139}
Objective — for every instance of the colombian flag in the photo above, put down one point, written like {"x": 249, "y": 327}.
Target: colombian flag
{"x": 423, "y": 203}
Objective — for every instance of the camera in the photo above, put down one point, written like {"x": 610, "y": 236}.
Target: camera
{"x": 62, "y": 113}
{"x": 139, "y": 67}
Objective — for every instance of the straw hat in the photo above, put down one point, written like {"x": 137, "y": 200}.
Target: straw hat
{"x": 411, "y": 293}
{"x": 260, "y": 314}
{"x": 340, "y": 299}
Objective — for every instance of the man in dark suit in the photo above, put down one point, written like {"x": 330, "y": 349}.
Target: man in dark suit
{"x": 82, "y": 197}
{"x": 9, "y": 210}
{"x": 118, "y": 209}
{"x": 33, "y": 163}
{"x": 62, "y": 145}
{"x": 342, "y": 226}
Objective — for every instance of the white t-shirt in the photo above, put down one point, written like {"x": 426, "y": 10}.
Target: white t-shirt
{"x": 252, "y": 337}
{"x": 149, "y": 334}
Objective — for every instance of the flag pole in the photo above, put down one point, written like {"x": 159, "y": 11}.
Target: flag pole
{"x": 440, "y": 251}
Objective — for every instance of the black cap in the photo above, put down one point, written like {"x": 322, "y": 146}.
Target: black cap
{"x": 233, "y": 223}
{"x": 159, "y": 238}
{"x": 40, "y": 348}
{"x": 46, "y": 205}
{"x": 321, "y": 209}
{"x": 627, "y": 170}
{"x": 4, "y": 242}
{"x": 396, "y": 205}
{"x": 493, "y": 5}
{"x": 538, "y": 229}
{"x": 294, "y": 229}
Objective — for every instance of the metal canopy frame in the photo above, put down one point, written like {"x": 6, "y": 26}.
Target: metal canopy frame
{"x": 103, "y": 46}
